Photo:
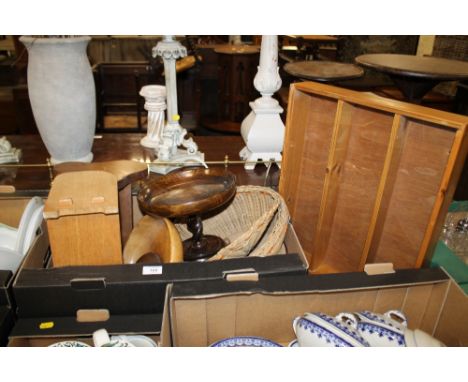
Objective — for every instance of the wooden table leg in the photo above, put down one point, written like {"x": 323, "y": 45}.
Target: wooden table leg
{"x": 414, "y": 89}
{"x": 125, "y": 212}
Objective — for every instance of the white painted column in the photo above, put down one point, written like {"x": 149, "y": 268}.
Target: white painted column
{"x": 170, "y": 50}
{"x": 262, "y": 129}
{"x": 155, "y": 104}
{"x": 173, "y": 134}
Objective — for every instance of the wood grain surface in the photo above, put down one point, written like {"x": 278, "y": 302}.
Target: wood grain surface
{"x": 187, "y": 192}
{"x": 126, "y": 171}
{"x": 416, "y": 66}
{"x": 323, "y": 71}
{"x": 154, "y": 235}
{"x": 368, "y": 179}
{"x": 82, "y": 217}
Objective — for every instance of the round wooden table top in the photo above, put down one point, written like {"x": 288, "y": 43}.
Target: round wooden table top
{"x": 237, "y": 49}
{"x": 317, "y": 38}
{"x": 323, "y": 71}
{"x": 416, "y": 66}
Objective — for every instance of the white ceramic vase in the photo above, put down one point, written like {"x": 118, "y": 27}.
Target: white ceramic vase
{"x": 62, "y": 94}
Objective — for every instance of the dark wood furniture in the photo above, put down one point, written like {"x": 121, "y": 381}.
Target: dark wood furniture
{"x": 7, "y": 115}
{"x": 8, "y": 73}
{"x": 415, "y": 75}
{"x": 117, "y": 89}
{"x": 119, "y": 103}
{"x": 309, "y": 46}
{"x": 237, "y": 66}
{"x": 323, "y": 71}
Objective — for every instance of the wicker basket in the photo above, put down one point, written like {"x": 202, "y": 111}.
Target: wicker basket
{"x": 272, "y": 240}
{"x": 254, "y": 224}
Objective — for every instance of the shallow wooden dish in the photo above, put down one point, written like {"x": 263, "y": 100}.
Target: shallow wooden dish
{"x": 187, "y": 192}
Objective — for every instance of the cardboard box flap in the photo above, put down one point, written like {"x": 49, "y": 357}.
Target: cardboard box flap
{"x": 200, "y": 315}
{"x": 68, "y": 326}
{"x": 65, "y": 299}
{"x": 453, "y": 320}
{"x": 316, "y": 283}
{"x": 187, "y": 271}
{"x": 81, "y": 193}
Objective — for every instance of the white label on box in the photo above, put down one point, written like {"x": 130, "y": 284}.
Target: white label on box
{"x": 152, "y": 270}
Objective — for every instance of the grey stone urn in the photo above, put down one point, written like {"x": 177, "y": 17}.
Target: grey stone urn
{"x": 62, "y": 94}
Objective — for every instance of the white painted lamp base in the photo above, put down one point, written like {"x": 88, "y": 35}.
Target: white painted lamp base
{"x": 262, "y": 131}
{"x": 252, "y": 158}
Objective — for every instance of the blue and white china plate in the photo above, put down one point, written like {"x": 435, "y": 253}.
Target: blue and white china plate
{"x": 245, "y": 341}
{"x": 136, "y": 340}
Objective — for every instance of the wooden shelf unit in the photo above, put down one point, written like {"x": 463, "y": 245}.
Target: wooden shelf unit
{"x": 368, "y": 179}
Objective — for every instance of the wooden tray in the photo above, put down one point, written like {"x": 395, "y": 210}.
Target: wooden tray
{"x": 368, "y": 179}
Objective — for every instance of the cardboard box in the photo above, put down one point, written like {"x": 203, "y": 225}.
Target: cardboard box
{"x": 10, "y": 213}
{"x": 11, "y": 210}
{"x": 6, "y": 304}
{"x": 43, "y": 331}
{"x": 199, "y": 314}
{"x": 6, "y": 323}
{"x": 127, "y": 290}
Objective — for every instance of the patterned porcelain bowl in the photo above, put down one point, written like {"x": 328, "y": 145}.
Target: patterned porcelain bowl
{"x": 70, "y": 344}
{"x": 101, "y": 338}
{"x": 136, "y": 340}
{"x": 318, "y": 329}
{"x": 392, "y": 318}
{"x": 245, "y": 341}
{"x": 381, "y": 330}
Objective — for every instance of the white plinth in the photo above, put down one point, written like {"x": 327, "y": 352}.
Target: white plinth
{"x": 263, "y": 134}
{"x": 155, "y": 104}
{"x": 86, "y": 159}
{"x": 180, "y": 159}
